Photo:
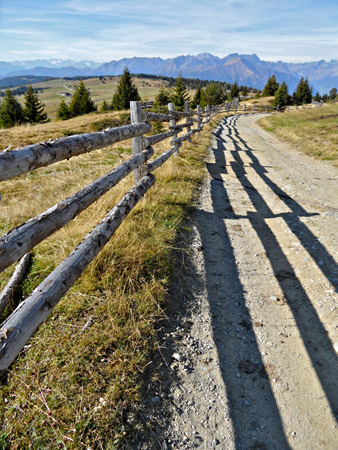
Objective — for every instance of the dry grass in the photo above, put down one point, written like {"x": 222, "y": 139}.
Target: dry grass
{"x": 30, "y": 134}
{"x": 77, "y": 389}
{"x": 261, "y": 101}
{"x": 313, "y": 130}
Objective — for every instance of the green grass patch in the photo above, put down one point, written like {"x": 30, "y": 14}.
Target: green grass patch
{"x": 313, "y": 131}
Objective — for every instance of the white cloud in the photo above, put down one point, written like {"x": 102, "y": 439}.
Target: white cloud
{"x": 110, "y": 29}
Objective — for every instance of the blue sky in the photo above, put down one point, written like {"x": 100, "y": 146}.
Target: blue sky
{"x": 103, "y": 30}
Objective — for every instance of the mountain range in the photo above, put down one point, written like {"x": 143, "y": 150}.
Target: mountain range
{"x": 247, "y": 70}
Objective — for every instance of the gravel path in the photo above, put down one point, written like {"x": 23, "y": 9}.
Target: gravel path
{"x": 250, "y": 351}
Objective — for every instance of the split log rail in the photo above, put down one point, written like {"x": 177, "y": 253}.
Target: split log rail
{"x": 17, "y": 329}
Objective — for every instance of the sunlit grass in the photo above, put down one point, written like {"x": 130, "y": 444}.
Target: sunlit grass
{"x": 314, "y": 131}
{"x": 74, "y": 387}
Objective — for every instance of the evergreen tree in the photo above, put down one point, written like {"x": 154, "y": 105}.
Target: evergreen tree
{"x": 163, "y": 97}
{"x": 63, "y": 112}
{"x": 245, "y": 91}
{"x": 125, "y": 92}
{"x": 234, "y": 91}
{"x": 282, "y": 97}
{"x": 198, "y": 98}
{"x": 104, "y": 107}
{"x": 317, "y": 97}
{"x": 33, "y": 108}
{"x": 81, "y": 101}
{"x": 303, "y": 92}
{"x": 180, "y": 94}
{"x": 11, "y": 112}
{"x": 270, "y": 87}
{"x": 333, "y": 94}
{"x": 213, "y": 94}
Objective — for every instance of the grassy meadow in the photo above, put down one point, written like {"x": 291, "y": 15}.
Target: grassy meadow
{"x": 75, "y": 388}
{"x": 100, "y": 90}
{"x": 312, "y": 130}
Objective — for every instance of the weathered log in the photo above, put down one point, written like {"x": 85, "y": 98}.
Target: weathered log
{"x": 13, "y": 284}
{"x": 17, "y": 162}
{"x": 181, "y": 126}
{"x": 171, "y": 108}
{"x": 155, "y": 117}
{"x": 183, "y": 138}
{"x": 31, "y": 313}
{"x": 184, "y": 114}
{"x": 152, "y": 165}
{"x": 136, "y": 118}
{"x": 155, "y": 138}
{"x": 188, "y": 122}
{"x": 22, "y": 239}
{"x": 199, "y": 119}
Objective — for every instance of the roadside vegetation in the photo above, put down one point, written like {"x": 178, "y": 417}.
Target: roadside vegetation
{"x": 77, "y": 383}
{"x": 313, "y": 131}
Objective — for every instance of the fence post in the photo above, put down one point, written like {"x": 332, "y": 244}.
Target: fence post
{"x": 277, "y": 108}
{"x": 187, "y": 119}
{"x": 266, "y": 108}
{"x": 199, "y": 115}
{"x": 254, "y": 108}
{"x": 207, "y": 113}
{"x": 136, "y": 142}
{"x": 171, "y": 107}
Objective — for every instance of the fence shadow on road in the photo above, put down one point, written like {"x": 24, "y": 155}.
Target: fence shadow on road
{"x": 253, "y": 409}
{"x": 227, "y": 298}
{"x": 314, "y": 335}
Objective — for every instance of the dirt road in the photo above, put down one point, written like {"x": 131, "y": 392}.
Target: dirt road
{"x": 252, "y": 361}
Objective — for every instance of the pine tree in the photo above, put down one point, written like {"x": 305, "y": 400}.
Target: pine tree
{"x": 11, "y": 112}
{"x": 234, "y": 90}
{"x": 213, "y": 94}
{"x": 198, "y": 98}
{"x": 104, "y": 107}
{"x": 180, "y": 94}
{"x": 317, "y": 97}
{"x": 270, "y": 87}
{"x": 282, "y": 97}
{"x": 33, "y": 108}
{"x": 81, "y": 101}
{"x": 63, "y": 112}
{"x": 163, "y": 97}
{"x": 333, "y": 94}
{"x": 303, "y": 92}
{"x": 245, "y": 91}
{"x": 125, "y": 93}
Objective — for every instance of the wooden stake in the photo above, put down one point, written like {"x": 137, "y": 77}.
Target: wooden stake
{"x": 137, "y": 147}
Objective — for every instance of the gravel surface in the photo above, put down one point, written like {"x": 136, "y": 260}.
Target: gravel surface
{"x": 248, "y": 357}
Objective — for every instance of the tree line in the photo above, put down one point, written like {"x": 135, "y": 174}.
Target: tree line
{"x": 12, "y": 113}
{"x": 302, "y": 94}
{"x": 214, "y": 93}
{"x": 206, "y": 93}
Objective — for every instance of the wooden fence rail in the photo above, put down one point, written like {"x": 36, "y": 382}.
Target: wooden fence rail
{"x": 17, "y": 329}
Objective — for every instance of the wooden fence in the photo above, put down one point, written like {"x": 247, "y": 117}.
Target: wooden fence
{"x": 17, "y": 329}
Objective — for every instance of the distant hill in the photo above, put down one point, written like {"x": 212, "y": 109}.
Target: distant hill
{"x": 11, "y": 82}
{"x": 247, "y": 70}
